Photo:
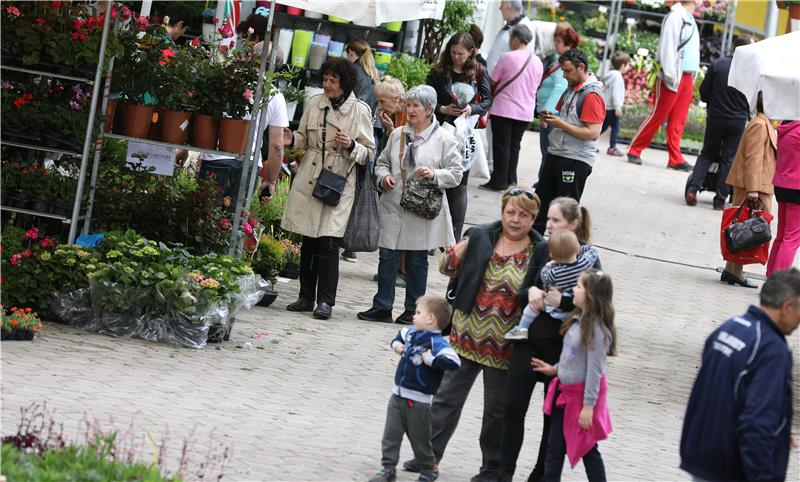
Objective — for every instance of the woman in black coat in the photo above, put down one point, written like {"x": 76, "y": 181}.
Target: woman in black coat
{"x": 455, "y": 73}
{"x": 544, "y": 339}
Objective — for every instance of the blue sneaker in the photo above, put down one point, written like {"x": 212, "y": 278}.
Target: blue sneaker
{"x": 387, "y": 474}
{"x": 428, "y": 476}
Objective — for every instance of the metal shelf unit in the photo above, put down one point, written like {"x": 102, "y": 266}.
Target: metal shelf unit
{"x": 120, "y": 137}
{"x": 73, "y": 219}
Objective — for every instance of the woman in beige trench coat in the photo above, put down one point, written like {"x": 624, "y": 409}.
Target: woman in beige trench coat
{"x": 346, "y": 124}
{"x": 430, "y": 152}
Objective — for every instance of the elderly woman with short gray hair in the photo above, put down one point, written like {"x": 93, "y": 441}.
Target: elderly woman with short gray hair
{"x": 515, "y": 80}
{"x": 421, "y": 150}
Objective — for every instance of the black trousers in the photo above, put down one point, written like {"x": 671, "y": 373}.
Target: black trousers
{"x": 506, "y": 138}
{"x": 560, "y": 177}
{"x": 319, "y": 269}
{"x": 719, "y": 144}
{"x": 457, "y": 202}
{"x": 557, "y": 449}
{"x": 520, "y": 382}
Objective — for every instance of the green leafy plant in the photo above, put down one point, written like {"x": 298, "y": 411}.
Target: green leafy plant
{"x": 136, "y": 73}
{"x": 269, "y": 259}
{"x": 410, "y": 70}
{"x": 456, "y": 18}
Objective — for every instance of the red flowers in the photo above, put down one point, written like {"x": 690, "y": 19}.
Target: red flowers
{"x": 32, "y": 233}
{"x": 48, "y": 243}
{"x": 23, "y": 99}
{"x": 77, "y": 24}
{"x": 142, "y": 22}
{"x": 195, "y": 42}
{"x": 214, "y": 20}
{"x": 55, "y": 4}
{"x": 15, "y": 259}
{"x": 225, "y": 223}
{"x": 40, "y": 21}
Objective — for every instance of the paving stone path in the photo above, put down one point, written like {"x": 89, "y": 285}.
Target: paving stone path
{"x": 308, "y": 402}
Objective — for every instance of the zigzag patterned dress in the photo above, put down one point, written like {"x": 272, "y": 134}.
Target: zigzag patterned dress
{"x": 479, "y": 335}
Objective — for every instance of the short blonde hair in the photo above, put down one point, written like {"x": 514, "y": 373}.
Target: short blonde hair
{"x": 563, "y": 245}
{"x": 524, "y": 198}
{"x": 389, "y": 87}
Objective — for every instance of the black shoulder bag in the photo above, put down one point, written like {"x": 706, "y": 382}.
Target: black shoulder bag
{"x": 744, "y": 235}
{"x": 329, "y": 186}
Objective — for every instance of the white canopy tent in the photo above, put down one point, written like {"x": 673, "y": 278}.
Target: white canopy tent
{"x": 771, "y": 66}
{"x": 372, "y": 12}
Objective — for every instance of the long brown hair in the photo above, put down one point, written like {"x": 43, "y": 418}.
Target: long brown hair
{"x": 361, "y": 47}
{"x": 571, "y": 211}
{"x": 599, "y": 307}
{"x": 445, "y": 65}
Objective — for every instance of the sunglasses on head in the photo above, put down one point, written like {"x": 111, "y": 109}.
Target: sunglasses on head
{"x": 518, "y": 191}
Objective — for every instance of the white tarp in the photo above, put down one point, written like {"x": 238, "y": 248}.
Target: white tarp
{"x": 771, "y": 66}
{"x": 372, "y": 12}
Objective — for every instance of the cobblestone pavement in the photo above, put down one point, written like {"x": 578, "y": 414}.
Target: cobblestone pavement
{"x": 309, "y": 402}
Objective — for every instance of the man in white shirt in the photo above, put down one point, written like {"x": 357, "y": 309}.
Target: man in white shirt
{"x": 513, "y": 14}
{"x": 272, "y": 144}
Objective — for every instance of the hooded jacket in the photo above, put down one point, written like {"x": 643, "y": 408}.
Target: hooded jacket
{"x": 418, "y": 375}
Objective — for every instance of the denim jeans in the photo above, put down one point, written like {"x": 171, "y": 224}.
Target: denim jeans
{"x": 611, "y": 121}
{"x": 416, "y": 278}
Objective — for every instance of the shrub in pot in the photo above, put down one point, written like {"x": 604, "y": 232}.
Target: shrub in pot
{"x": 174, "y": 94}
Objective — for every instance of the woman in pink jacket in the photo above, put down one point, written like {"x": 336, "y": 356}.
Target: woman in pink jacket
{"x": 787, "y": 191}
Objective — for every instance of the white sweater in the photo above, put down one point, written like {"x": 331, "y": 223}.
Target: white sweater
{"x": 613, "y": 90}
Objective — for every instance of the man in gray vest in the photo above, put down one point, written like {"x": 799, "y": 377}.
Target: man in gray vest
{"x": 573, "y": 140}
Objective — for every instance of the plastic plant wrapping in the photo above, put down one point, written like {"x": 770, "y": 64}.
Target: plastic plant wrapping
{"x": 179, "y": 311}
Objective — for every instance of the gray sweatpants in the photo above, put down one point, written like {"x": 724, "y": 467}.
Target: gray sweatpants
{"x": 411, "y": 418}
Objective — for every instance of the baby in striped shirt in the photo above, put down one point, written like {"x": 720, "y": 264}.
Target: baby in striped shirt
{"x": 568, "y": 260}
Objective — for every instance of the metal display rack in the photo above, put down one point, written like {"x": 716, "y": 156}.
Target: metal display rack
{"x": 249, "y": 167}
{"x": 73, "y": 219}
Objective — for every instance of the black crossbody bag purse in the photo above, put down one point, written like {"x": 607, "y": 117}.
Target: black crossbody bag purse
{"x": 329, "y": 186}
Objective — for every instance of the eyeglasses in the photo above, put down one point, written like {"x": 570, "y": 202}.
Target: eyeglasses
{"x": 518, "y": 191}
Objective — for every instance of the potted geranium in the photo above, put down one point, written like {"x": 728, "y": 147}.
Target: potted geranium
{"x": 19, "y": 323}
{"x": 136, "y": 75}
{"x": 241, "y": 75}
{"x": 175, "y": 95}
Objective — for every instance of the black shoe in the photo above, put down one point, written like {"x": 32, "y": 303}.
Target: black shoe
{"x": 719, "y": 205}
{"x": 486, "y": 475}
{"x": 489, "y": 187}
{"x": 301, "y": 305}
{"x": 684, "y": 166}
{"x": 634, "y": 159}
{"x": 691, "y": 198}
{"x": 731, "y": 279}
{"x": 375, "y": 314}
{"x": 407, "y": 318}
{"x": 323, "y": 311}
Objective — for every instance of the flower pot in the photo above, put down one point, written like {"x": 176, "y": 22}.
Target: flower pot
{"x": 111, "y": 112}
{"x": 28, "y": 335}
{"x": 294, "y": 11}
{"x": 205, "y": 131}
{"x": 233, "y": 135}
{"x": 268, "y": 299}
{"x": 137, "y": 120}
{"x": 291, "y": 108}
{"x": 174, "y": 126}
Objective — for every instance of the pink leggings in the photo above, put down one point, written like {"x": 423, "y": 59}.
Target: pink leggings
{"x": 787, "y": 240}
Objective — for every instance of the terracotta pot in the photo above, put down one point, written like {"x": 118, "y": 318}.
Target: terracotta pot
{"x": 111, "y": 113}
{"x": 205, "y": 131}
{"x": 174, "y": 126}
{"x": 137, "y": 120}
{"x": 233, "y": 135}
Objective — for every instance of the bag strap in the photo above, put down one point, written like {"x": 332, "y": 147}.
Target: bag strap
{"x": 512, "y": 79}
{"x": 324, "y": 134}
{"x": 402, "y": 156}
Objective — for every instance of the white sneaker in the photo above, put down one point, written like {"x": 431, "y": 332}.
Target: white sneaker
{"x": 517, "y": 334}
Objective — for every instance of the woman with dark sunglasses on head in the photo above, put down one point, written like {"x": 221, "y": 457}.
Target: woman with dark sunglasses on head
{"x": 489, "y": 266}
{"x": 544, "y": 338}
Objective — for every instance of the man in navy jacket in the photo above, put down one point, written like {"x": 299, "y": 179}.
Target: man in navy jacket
{"x": 737, "y": 424}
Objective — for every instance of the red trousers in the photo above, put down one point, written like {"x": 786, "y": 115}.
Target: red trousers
{"x": 672, "y": 107}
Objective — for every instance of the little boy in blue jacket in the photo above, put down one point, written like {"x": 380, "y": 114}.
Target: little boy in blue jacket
{"x": 425, "y": 357}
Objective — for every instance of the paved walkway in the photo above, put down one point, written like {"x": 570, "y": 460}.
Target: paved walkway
{"x": 308, "y": 403}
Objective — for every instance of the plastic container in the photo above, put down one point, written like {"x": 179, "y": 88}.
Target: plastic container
{"x": 337, "y": 19}
{"x": 285, "y": 37}
{"x": 394, "y": 26}
{"x": 309, "y": 14}
{"x": 301, "y": 43}
{"x": 296, "y": 12}
{"x": 335, "y": 49}
{"x": 317, "y": 55}
{"x": 385, "y": 45}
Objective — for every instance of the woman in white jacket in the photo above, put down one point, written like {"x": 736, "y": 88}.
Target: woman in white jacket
{"x": 431, "y": 153}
